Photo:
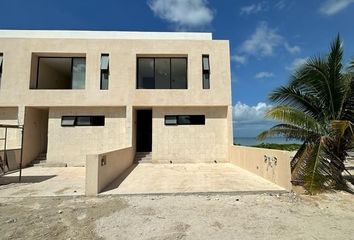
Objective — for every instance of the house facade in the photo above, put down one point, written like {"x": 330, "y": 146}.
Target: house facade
{"x": 84, "y": 92}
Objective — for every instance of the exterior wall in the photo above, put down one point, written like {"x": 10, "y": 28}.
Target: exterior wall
{"x": 273, "y": 165}
{"x": 13, "y": 158}
{"x": 9, "y": 116}
{"x": 35, "y": 134}
{"x": 98, "y": 176}
{"x": 18, "y": 54}
{"x": 70, "y": 145}
{"x": 190, "y": 143}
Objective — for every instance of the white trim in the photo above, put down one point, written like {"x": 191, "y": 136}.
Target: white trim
{"x": 60, "y": 34}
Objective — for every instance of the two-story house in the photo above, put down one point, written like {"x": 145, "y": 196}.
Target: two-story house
{"x": 86, "y": 92}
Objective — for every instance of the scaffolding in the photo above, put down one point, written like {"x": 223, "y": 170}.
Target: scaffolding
{"x": 4, "y": 163}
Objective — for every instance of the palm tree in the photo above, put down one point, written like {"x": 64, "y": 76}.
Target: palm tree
{"x": 317, "y": 108}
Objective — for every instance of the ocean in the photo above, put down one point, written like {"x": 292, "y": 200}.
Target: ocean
{"x": 251, "y": 141}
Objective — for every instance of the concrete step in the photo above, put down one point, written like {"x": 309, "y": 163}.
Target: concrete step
{"x": 143, "y": 157}
{"x": 39, "y": 161}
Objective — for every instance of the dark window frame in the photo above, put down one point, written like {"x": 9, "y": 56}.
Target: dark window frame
{"x": 94, "y": 122}
{"x": 161, "y": 57}
{"x": 1, "y": 66}
{"x": 104, "y": 71}
{"x": 179, "y": 122}
{"x": 206, "y": 72}
{"x": 71, "y": 73}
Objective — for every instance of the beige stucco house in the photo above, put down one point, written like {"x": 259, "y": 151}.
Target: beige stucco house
{"x": 84, "y": 92}
{"x": 103, "y": 99}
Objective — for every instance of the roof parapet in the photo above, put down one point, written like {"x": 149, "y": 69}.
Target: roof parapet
{"x": 64, "y": 34}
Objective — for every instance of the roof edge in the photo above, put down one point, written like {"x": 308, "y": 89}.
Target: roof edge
{"x": 81, "y": 34}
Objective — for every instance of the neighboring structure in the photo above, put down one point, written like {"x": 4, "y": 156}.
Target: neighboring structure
{"x": 80, "y": 93}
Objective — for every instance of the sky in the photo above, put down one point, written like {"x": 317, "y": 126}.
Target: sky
{"x": 268, "y": 38}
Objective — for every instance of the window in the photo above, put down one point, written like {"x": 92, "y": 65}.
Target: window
{"x": 206, "y": 72}
{"x": 1, "y": 60}
{"x": 67, "y": 121}
{"x": 185, "y": 120}
{"x": 178, "y": 73}
{"x": 60, "y": 73}
{"x": 104, "y": 71}
{"x": 78, "y": 73}
{"x": 162, "y": 73}
{"x": 71, "y": 121}
{"x": 170, "y": 120}
{"x": 83, "y": 121}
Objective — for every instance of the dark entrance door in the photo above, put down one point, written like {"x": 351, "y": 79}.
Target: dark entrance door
{"x": 144, "y": 131}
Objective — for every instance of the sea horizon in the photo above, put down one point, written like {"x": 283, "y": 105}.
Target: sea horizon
{"x": 251, "y": 141}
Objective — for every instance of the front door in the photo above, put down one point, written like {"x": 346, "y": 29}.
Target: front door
{"x": 144, "y": 131}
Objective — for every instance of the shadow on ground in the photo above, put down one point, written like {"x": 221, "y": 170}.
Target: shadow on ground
{"x": 118, "y": 181}
{"x": 4, "y": 180}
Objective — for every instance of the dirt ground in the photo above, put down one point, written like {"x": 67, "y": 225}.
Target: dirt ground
{"x": 286, "y": 216}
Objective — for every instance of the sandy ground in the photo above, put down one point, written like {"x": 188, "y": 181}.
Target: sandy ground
{"x": 286, "y": 216}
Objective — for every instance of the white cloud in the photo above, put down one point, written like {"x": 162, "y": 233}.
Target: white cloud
{"x": 296, "y": 63}
{"x": 239, "y": 59}
{"x": 331, "y": 7}
{"x": 250, "y": 120}
{"x": 292, "y": 49}
{"x": 251, "y": 9}
{"x": 280, "y": 5}
{"x": 244, "y": 113}
{"x": 262, "y": 75}
{"x": 185, "y": 14}
{"x": 264, "y": 41}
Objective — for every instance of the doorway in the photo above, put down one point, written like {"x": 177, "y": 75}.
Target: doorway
{"x": 144, "y": 130}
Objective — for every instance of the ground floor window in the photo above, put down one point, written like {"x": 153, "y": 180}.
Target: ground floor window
{"x": 72, "y": 121}
{"x": 185, "y": 120}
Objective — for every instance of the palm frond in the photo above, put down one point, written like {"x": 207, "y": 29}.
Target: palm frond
{"x": 287, "y": 131}
{"x": 295, "y": 117}
{"x": 293, "y": 97}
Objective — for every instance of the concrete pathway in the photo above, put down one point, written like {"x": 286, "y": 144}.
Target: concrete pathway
{"x": 189, "y": 178}
{"x": 44, "y": 181}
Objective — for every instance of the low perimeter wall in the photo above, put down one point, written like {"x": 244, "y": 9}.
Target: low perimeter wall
{"x": 102, "y": 169}
{"x": 273, "y": 165}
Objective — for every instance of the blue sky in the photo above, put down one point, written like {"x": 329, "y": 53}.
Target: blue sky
{"x": 268, "y": 38}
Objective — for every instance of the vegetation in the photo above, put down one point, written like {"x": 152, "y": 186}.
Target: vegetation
{"x": 317, "y": 107}
{"x": 286, "y": 147}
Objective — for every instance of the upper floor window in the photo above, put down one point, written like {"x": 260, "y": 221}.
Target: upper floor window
{"x": 104, "y": 71}
{"x": 1, "y": 60}
{"x": 59, "y": 73}
{"x": 162, "y": 73}
{"x": 206, "y": 72}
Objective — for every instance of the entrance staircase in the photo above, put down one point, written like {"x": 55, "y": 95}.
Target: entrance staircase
{"x": 39, "y": 161}
{"x": 142, "y": 157}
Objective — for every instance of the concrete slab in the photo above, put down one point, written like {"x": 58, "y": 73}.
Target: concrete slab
{"x": 139, "y": 179}
{"x": 44, "y": 181}
{"x": 189, "y": 178}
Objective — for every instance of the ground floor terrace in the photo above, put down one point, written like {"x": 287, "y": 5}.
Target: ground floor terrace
{"x": 186, "y": 150}
{"x": 142, "y": 178}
